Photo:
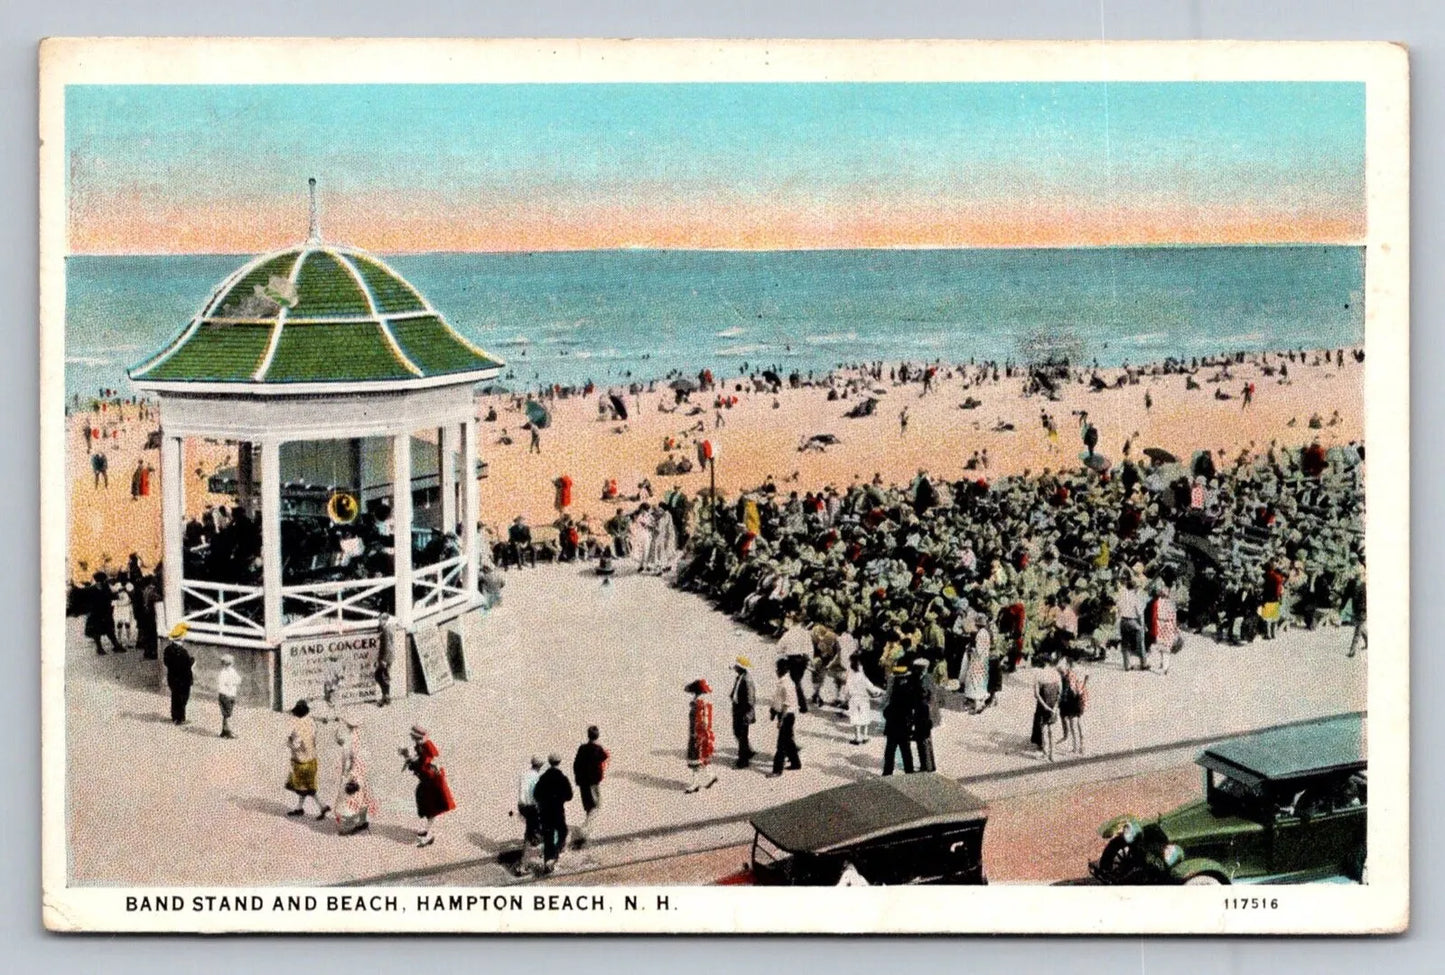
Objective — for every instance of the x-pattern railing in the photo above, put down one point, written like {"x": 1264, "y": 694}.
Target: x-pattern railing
{"x": 341, "y": 605}
{"x": 442, "y": 584}
{"x": 217, "y": 614}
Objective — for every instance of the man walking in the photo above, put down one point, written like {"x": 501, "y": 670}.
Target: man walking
{"x": 900, "y": 705}
{"x": 179, "y": 672}
{"x": 588, "y": 768}
{"x": 744, "y": 701}
{"x": 527, "y": 809}
{"x": 552, "y": 793}
{"x": 1130, "y": 614}
{"x": 385, "y": 656}
{"x": 784, "y": 708}
{"x": 228, "y": 685}
{"x": 928, "y": 714}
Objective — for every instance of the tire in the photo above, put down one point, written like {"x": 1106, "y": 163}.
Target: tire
{"x": 1203, "y": 880}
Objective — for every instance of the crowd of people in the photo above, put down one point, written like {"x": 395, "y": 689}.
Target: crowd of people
{"x": 971, "y": 579}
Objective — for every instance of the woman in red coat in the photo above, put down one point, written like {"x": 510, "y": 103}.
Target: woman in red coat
{"x": 433, "y": 795}
{"x": 700, "y": 741}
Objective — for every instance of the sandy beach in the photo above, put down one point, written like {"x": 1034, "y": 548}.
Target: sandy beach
{"x": 760, "y": 437}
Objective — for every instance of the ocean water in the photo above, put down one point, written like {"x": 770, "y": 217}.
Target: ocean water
{"x": 611, "y": 315}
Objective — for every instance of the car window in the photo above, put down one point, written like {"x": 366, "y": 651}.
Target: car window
{"x": 767, "y": 855}
{"x": 1235, "y": 796}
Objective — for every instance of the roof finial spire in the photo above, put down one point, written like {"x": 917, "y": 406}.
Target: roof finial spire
{"x": 314, "y": 236}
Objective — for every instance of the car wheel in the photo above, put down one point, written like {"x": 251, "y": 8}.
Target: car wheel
{"x": 1203, "y": 880}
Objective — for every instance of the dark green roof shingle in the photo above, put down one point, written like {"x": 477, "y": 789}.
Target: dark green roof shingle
{"x": 356, "y": 352}
{"x": 435, "y": 348}
{"x": 217, "y": 352}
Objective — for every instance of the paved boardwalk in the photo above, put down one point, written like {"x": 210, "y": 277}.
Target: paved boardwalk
{"x": 154, "y": 804}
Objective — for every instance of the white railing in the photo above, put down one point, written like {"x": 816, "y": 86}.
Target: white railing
{"x": 334, "y": 607}
{"x": 218, "y": 617}
{"x": 439, "y": 586}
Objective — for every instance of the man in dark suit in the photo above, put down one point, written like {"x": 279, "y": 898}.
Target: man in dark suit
{"x": 180, "y": 666}
{"x": 744, "y": 700}
{"x": 553, "y": 792}
{"x": 901, "y": 702}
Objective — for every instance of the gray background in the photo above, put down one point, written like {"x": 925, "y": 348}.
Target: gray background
{"x": 23, "y": 22}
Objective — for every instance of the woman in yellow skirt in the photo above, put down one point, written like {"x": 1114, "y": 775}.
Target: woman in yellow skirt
{"x": 302, "y": 743}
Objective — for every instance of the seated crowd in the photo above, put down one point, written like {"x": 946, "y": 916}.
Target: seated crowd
{"x": 1041, "y": 559}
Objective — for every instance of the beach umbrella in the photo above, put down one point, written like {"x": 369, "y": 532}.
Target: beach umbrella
{"x": 1095, "y": 461}
{"x": 618, "y": 406}
{"x": 1160, "y": 456}
{"x": 772, "y": 377}
{"x": 537, "y": 414}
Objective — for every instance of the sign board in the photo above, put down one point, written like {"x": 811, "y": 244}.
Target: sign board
{"x": 431, "y": 654}
{"x": 457, "y": 653}
{"x": 307, "y": 662}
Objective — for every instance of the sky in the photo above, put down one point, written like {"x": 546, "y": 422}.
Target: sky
{"x": 418, "y": 168}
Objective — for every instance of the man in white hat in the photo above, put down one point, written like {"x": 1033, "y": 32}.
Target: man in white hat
{"x": 180, "y": 674}
{"x": 228, "y": 685}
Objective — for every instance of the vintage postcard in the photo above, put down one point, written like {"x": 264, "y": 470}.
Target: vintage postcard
{"x": 749, "y": 487}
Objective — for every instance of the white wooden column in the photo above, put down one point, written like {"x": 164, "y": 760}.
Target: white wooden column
{"x": 448, "y": 478}
{"x": 401, "y": 516}
{"x": 271, "y": 536}
{"x": 173, "y": 513}
{"x": 470, "y": 504}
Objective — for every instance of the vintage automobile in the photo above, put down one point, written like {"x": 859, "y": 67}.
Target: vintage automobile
{"x": 1280, "y": 806}
{"x": 907, "y": 829}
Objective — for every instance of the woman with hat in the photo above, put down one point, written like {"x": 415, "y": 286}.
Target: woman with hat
{"x": 354, "y": 802}
{"x": 302, "y": 743}
{"x": 700, "y": 737}
{"x": 433, "y": 795}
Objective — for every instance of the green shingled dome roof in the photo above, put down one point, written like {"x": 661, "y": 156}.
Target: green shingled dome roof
{"x": 316, "y": 314}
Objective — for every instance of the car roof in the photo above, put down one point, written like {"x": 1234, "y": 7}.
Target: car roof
{"x": 1318, "y": 747}
{"x": 874, "y": 807}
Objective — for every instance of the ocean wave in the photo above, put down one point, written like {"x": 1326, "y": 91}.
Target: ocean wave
{"x": 598, "y": 354}
{"x": 730, "y": 333}
{"x": 831, "y": 338}
{"x": 742, "y": 350}
{"x": 1148, "y": 338}
{"x": 517, "y": 340}
{"x": 88, "y": 360}
{"x": 1243, "y": 338}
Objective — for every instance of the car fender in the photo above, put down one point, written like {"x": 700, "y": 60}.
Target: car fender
{"x": 1111, "y": 828}
{"x": 1195, "y": 866}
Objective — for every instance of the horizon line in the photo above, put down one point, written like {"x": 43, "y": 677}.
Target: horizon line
{"x": 1181, "y": 245}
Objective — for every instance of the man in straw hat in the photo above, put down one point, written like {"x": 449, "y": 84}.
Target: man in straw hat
{"x": 228, "y": 685}
{"x": 744, "y": 697}
{"x": 180, "y": 672}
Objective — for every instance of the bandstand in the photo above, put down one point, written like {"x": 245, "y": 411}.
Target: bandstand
{"x": 318, "y": 468}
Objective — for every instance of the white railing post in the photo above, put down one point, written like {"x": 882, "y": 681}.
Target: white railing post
{"x": 271, "y": 537}
{"x": 173, "y": 493}
{"x": 447, "y": 477}
{"x": 401, "y": 515}
{"x": 470, "y": 504}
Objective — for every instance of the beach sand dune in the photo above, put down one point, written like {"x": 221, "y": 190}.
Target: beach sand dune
{"x": 760, "y": 438}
